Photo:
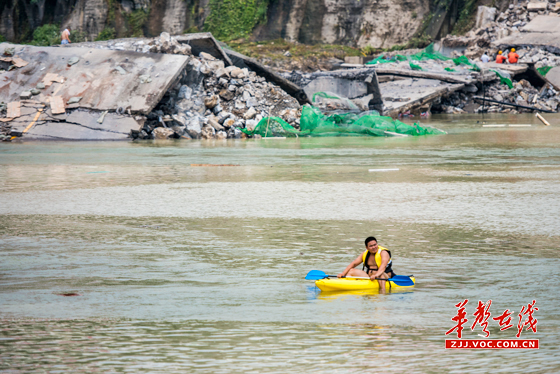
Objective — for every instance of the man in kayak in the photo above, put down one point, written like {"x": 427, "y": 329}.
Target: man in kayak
{"x": 377, "y": 264}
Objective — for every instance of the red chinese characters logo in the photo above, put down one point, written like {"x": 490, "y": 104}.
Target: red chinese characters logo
{"x": 482, "y": 315}
{"x": 530, "y": 321}
{"x": 459, "y": 318}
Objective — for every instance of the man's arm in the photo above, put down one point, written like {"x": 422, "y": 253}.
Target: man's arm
{"x": 384, "y": 261}
{"x": 352, "y": 265}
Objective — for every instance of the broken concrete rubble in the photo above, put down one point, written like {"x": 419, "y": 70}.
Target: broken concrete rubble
{"x": 53, "y": 82}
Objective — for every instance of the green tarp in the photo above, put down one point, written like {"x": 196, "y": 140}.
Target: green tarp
{"x": 314, "y": 123}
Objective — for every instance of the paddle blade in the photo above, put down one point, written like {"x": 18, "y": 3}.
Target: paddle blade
{"x": 402, "y": 280}
{"x": 315, "y": 275}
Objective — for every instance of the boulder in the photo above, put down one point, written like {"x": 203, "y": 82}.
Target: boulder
{"x": 485, "y": 16}
{"x": 206, "y": 56}
{"x": 237, "y": 73}
{"x": 221, "y": 72}
{"x": 240, "y": 105}
{"x": 184, "y": 105}
{"x": 208, "y": 132}
{"x": 211, "y": 102}
{"x": 226, "y": 94}
{"x": 213, "y": 121}
{"x": 162, "y": 133}
{"x": 194, "y": 125}
{"x": 250, "y": 113}
{"x": 251, "y": 124}
{"x": 185, "y": 92}
{"x": 164, "y": 37}
{"x": 217, "y": 64}
{"x": 537, "y": 6}
{"x": 230, "y": 122}
{"x": 205, "y": 69}
{"x": 180, "y": 118}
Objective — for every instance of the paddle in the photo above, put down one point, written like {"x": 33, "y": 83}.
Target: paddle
{"x": 399, "y": 280}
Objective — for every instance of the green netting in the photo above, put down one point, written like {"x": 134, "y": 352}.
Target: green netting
{"x": 463, "y": 60}
{"x": 325, "y": 95}
{"x": 314, "y": 123}
{"x": 504, "y": 78}
{"x": 414, "y": 66}
{"x": 332, "y": 101}
{"x": 273, "y": 127}
{"x": 426, "y": 54}
{"x": 429, "y": 54}
{"x": 449, "y": 69}
{"x": 544, "y": 70}
{"x": 380, "y": 60}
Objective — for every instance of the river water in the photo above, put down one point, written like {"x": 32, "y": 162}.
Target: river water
{"x": 147, "y": 257}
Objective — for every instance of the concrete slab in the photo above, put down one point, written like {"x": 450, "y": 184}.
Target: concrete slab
{"x": 352, "y": 84}
{"x": 553, "y": 77}
{"x": 78, "y": 125}
{"x": 408, "y": 94}
{"x": 95, "y": 76}
{"x": 543, "y": 31}
{"x": 342, "y": 87}
{"x": 547, "y": 24}
{"x": 449, "y": 78}
{"x": 513, "y": 69}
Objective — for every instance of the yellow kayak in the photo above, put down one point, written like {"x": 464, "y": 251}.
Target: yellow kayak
{"x": 346, "y": 284}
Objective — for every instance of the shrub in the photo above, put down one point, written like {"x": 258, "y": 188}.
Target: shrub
{"x": 108, "y": 33}
{"x": 78, "y": 36}
{"x": 46, "y": 35}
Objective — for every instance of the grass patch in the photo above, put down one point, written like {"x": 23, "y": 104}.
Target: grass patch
{"x": 275, "y": 49}
{"x": 233, "y": 19}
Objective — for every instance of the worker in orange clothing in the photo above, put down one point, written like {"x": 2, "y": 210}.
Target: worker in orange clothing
{"x": 513, "y": 57}
{"x": 500, "y": 59}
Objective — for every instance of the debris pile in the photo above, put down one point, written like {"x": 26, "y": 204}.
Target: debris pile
{"x": 211, "y": 100}
{"x": 497, "y": 25}
{"x": 165, "y": 43}
{"x": 214, "y": 101}
{"x": 208, "y": 98}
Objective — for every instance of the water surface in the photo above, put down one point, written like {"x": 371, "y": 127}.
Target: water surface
{"x": 177, "y": 267}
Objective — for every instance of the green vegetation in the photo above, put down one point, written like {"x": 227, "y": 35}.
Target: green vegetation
{"x": 191, "y": 30}
{"x": 274, "y": 49}
{"x": 2, "y": 39}
{"x": 108, "y": 33}
{"x": 46, "y": 35}
{"x": 78, "y": 36}
{"x": 466, "y": 20}
{"x": 136, "y": 21}
{"x": 232, "y": 19}
{"x": 368, "y": 50}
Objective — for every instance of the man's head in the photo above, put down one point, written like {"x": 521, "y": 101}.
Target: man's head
{"x": 500, "y": 52}
{"x": 371, "y": 244}
{"x": 513, "y": 49}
